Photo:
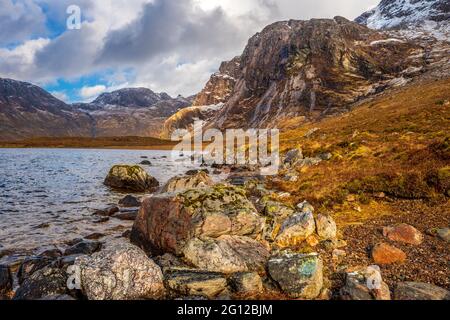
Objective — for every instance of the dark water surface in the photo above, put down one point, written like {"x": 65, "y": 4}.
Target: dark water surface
{"x": 47, "y": 196}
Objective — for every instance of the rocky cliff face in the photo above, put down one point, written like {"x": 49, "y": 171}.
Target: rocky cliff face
{"x": 315, "y": 68}
{"x": 206, "y": 104}
{"x": 27, "y": 110}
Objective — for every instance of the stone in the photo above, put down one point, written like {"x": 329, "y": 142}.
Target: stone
{"x": 120, "y": 272}
{"x": 295, "y": 230}
{"x": 383, "y": 253}
{"x": 293, "y": 156}
{"x": 277, "y": 209}
{"x": 195, "y": 283}
{"x": 133, "y": 178}
{"x": 168, "y": 261}
{"x": 444, "y": 234}
{"x": 180, "y": 183}
{"x": 337, "y": 256}
{"x": 226, "y": 254}
{"x": 326, "y": 227}
{"x": 45, "y": 282}
{"x": 31, "y": 265}
{"x": 298, "y": 275}
{"x": 6, "y": 281}
{"x": 326, "y": 156}
{"x": 305, "y": 206}
{"x": 129, "y": 202}
{"x": 420, "y": 291}
{"x": 95, "y": 236}
{"x": 246, "y": 284}
{"x": 145, "y": 163}
{"x": 166, "y": 222}
{"x": 129, "y": 215}
{"x": 403, "y": 233}
{"x": 196, "y": 171}
{"x": 107, "y": 212}
{"x": 83, "y": 247}
{"x": 365, "y": 283}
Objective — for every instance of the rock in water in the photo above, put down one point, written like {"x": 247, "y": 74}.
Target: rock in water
{"x": 166, "y": 222}
{"x": 83, "y": 247}
{"x": 200, "y": 179}
{"x": 121, "y": 272}
{"x": 296, "y": 229}
{"x": 133, "y": 178}
{"x": 129, "y": 202}
{"x": 299, "y": 275}
{"x": 403, "y": 233}
{"x": 195, "y": 283}
{"x": 365, "y": 284}
{"x": 227, "y": 254}
{"x": 43, "y": 283}
{"x": 31, "y": 265}
{"x": 6, "y": 281}
{"x": 420, "y": 291}
{"x": 383, "y": 253}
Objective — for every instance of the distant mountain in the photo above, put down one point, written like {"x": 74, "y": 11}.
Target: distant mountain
{"x": 29, "y": 111}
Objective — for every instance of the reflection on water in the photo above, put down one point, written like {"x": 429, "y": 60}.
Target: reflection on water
{"x": 47, "y": 196}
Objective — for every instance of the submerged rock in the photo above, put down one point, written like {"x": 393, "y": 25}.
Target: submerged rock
{"x": 198, "y": 283}
{"x": 129, "y": 202}
{"x": 45, "y": 282}
{"x": 420, "y": 291}
{"x": 299, "y": 275}
{"x": 134, "y": 178}
{"x": 365, "y": 283}
{"x": 180, "y": 183}
{"x": 227, "y": 254}
{"x": 166, "y": 222}
{"x": 83, "y": 247}
{"x": 120, "y": 272}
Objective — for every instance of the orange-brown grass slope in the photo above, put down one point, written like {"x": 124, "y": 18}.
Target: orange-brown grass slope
{"x": 397, "y": 143}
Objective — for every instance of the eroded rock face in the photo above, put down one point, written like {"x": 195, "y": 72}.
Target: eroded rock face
{"x": 122, "y": 272}
{"x": 180, "y": 183}
{"x": 420, "y": 291}
{"x": 166, "y": 222}
{"x": 184, "y": 282}
{"x": 226, "y": 254}
{"x": 133, "y": 178}
{"x": 365, "y": 284}
{"x": 299, "y": 275}
{"x": 45, "y": 282}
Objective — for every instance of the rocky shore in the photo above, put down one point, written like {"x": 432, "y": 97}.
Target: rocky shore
{"x": 193, "y": 238}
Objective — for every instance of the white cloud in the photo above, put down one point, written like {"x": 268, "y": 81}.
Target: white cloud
{"x": 61, "y": 95}
{"x": 92, "y": 92}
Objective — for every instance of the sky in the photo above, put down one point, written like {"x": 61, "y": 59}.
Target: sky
{"x": 168, "y": 46}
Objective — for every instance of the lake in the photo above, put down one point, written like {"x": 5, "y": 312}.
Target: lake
{"x": 48, "y": 196}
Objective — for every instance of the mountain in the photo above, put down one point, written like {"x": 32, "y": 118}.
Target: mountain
{"x": 391, "y": 14}
{"x": 27, "y": 110}
{"x": 216, "y": 92}
{"x": 132, "y": 112}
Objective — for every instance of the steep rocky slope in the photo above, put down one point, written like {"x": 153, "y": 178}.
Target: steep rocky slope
{"x": 27, "y": 110}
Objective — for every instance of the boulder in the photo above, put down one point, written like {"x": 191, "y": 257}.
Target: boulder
{"x": 298, "y": 275}
{"x": 226, "y": 254}
{"x": 246, "y": 283}
{"x": 166, "y": 222}
{"x": 45, "y": 282}
{"x": 444, "y": 234}
{"x": 120, "y": 272}
{"x": 6, "y": 281}
{"x": 133, "y": 178}
{"x": 382, "y": 253}
{"x": 326, "y": 227}
{"x": 365, "y": 283}
{"x": 200, "y": 283}
{"x": 83, "y": 247}
{"x": 295, "y": 230}
{"x": 180, "y": 183}
{"x": 420, "y": 291}
{"x": 305, "y": 206}
{"x": 129, "y": 202}
{"x": 403, "y": 233}
{"x": 31, "y": 265}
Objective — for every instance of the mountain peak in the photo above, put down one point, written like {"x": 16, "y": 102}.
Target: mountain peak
{"x": 131, "y": 97}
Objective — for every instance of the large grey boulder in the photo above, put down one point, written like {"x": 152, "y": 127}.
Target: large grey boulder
{"x": 131, "y": 178}
{"x": 226, "y": 254}
{"x": 365, "y": 283}
{"x": 298, "y": 275}
{"x": 119, "y": 272}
